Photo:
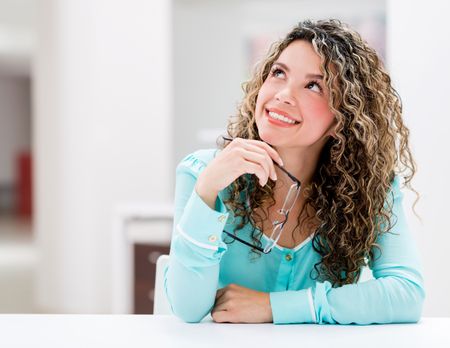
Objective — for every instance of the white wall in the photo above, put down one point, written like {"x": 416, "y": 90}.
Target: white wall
{"x": 208, "y": 68}
{"x": 419, "y": 56}
{"x": 16, "y": 35}
{"x": 102, "y": 136}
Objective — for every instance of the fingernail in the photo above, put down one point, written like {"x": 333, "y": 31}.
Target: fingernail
{"x": 281, "y": 163}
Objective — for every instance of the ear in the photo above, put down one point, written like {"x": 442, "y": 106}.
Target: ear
{"x": 332, "y": 130}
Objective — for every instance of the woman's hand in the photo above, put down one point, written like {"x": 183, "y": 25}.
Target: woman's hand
{"x": 241, "y": 156}
{"x": 237, "y": 304}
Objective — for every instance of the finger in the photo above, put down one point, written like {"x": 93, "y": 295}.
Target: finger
{"x": 220, "y": 306}
{"x": 253, "y": 168}
{"x": 264, "y": 160}
{"x": 221, "y": 296}
{"x": 241, "y": 165}
{"x": 270, "y": 150}
{"x": 221, "y": 316}
{"x": 261, "y": 144}
{"x": 268, "y": 159}
{"x": 220, "y": 292}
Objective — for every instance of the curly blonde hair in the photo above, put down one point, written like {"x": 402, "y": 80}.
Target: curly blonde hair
{"x": 350, "y": 187}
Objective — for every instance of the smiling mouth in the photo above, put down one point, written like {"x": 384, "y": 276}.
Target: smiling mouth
{"x": 281, "y": 118}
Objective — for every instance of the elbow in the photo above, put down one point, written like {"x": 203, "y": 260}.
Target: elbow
{"x": 189, "y": 298}
{"x": 414, "y": 304}
{"x": 413, "y": 315}
{"x": 417, "y": 305}
{"x": 189, "y": 316}
{"x": 188, "y": 312}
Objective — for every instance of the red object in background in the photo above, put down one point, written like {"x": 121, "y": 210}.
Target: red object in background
{"x": 24, "y": 184}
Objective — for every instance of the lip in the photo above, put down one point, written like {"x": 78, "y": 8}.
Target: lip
{"x": 277, "y": 122}
{"x": 281, "y": 112}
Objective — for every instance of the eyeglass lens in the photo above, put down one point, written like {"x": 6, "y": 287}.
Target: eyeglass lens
{"x": 276, "y": 233}
{"x": 278, "y": 226}
{"x": 291, "y": 197}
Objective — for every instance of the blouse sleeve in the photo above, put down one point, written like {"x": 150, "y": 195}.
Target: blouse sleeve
{"x": 196, "y": 246}
{"x": 396, "y": 295}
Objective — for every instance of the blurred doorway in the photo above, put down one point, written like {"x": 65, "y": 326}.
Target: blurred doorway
{"x": 17, "y": 251}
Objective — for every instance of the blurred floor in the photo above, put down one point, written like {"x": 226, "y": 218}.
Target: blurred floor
{"x": 17, "y": 265}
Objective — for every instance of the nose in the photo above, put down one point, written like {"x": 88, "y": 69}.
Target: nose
{"x": 285, "y": 96}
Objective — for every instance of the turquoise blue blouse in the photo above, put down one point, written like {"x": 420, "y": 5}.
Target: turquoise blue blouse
{"x": 201, "y": 262}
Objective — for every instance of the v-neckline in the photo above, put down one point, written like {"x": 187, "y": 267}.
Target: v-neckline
{"x": 294, "y": 249}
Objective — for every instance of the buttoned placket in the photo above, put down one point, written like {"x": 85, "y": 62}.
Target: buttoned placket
{"x": 285, "y": 270}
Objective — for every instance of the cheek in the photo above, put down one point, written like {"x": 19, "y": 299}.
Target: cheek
{"x": 321, "y": 113}
{"x": 260, "y": 102}
{"x": 261, "y": 98}
{"x": 319, "y": 121}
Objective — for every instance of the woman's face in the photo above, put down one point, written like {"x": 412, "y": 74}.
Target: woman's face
{"x": 292, "y": 105}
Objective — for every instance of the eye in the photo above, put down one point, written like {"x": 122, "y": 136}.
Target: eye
{"x": 276, "y": 72}
{"x": 313, "y": 84}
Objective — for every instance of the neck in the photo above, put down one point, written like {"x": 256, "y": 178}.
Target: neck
{"x": 300, "y": 162}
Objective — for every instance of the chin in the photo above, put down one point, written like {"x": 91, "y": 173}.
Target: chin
{"x": 269, "y": 138}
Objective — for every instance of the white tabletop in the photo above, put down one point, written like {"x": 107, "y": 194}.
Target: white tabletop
{"x": 167, "y": 331}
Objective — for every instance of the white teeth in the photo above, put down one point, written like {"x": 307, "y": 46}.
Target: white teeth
{"x": 281, "y": 117}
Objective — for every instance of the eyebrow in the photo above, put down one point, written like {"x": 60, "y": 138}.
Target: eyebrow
{"x": 309, "y": 76}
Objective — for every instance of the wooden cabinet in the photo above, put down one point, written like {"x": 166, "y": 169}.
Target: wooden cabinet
{"x": 145, "y": 257}
{"x": 141, "y": 233}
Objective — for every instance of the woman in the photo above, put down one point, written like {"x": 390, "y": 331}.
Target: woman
{"x": 304, "y": 192}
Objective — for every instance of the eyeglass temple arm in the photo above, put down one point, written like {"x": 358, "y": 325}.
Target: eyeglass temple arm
{"x": 293, "y": 178}
{"x": 246, "y": 243}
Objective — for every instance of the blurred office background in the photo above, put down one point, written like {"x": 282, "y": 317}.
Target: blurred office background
{"x": 99, "y": 100}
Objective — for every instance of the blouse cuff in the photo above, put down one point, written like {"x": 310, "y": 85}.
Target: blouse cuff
{"x": 290, "y": 307}
{"x": 202, "y": 226}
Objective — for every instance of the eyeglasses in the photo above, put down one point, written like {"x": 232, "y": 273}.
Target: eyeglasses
{"x": 278, "y": 225}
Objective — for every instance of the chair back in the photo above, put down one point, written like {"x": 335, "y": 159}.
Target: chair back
{"x": 160, "y": 303}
